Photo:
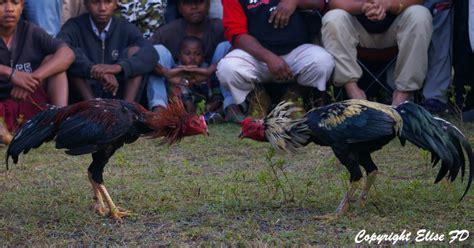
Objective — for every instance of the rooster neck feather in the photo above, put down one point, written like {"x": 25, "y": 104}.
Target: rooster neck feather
{"x": 169, "y": 123}
{"x": 283, "y": 132}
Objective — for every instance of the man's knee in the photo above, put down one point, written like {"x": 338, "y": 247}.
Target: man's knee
{"x": 132, "y": 50}
{"x": 419, "y": 16}
{"x": 165, "y": 56}
{"x": 228, "y": 71}
{"x": 335, "y": 19}
{"x": 320, "y": 61}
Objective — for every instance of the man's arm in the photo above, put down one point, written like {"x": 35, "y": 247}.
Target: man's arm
{"x": 235, "y": 30}
{"x": 285, "y": 8}
{"x": 82, "y": 64}
{"x": 276, "y": 65}
{"x": 59, "y": 62}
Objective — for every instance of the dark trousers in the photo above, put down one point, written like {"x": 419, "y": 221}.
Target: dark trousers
{"x": 463, "y": 57}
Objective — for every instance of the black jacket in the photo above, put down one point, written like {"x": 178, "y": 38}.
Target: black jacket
{"x": 78, "y": 34}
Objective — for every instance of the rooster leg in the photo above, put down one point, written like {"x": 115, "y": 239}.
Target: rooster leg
{"x": 351, "y": 161}
{"x": 371, "y": 170}
{"x": 343, "y": 206}
{"x": 116, "y": 213}
{"x": 365, "y": 191}
{"x": 99, "y": 206}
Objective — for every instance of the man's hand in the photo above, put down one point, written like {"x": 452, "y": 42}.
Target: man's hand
{"x": 26, "y": 81}
{"x": 279, "y": 68}
{"x": 19, "y": 94}
{"x": 99, "y": 70}
{"x": 376, "y": 10}
{"x": 110, "y": 83}
{"x": 282, "y": 13}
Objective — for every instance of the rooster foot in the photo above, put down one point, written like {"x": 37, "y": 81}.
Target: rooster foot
{"x": 119, "y": 213}
{"x": 363, "y": 199}
{"x": 101, "y": 210}
{"x": 328, "y": 218}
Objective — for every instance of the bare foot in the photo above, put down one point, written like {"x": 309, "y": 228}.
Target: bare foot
{"x": 399, "y": 97}
{"x": 353, "y": 91}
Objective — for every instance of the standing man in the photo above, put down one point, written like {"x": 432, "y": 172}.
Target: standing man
{"x": 438, "y": 78}
{"x": 45, "y": 13}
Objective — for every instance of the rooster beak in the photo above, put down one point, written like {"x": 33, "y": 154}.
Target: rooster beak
{"x": 241, "y": 135}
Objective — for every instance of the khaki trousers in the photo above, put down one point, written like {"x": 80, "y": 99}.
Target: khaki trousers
{"x": 411, "y": 32}
{"x": 239, "y": 71}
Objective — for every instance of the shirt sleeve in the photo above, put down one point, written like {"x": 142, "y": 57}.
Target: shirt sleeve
{"x": 235, "y": 20}
{"x": 82, "y": 64}
{"x": 46, "y": 43}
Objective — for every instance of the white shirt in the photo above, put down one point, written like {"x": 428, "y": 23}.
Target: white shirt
{"x": 102, "y": 35}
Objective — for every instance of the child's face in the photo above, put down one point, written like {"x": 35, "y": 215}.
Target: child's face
{"x": 10, "y": 12}
{"x": 191, "y": 54}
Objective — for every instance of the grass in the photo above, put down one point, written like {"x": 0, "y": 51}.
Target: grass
{"x": 222, "y": 191}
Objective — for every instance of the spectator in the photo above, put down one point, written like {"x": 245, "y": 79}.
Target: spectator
{"x": 438, "y": 77}
{"x": 32, "y": 67}
{"x": 44, "y": 13}
{"x": 191, "y": 56}
{"x": 166, "y": 39}
{"x": 378, "y": 24}
{"x": 172, "y": 13}
{"x": 273, "y": 44}
{"x": 463, "y": 52}
{"x": 111, "y": 54}
{"x": 146, "y": 15}
{"x": 72, "y": 8}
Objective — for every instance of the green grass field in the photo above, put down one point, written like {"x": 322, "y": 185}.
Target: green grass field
{"x": 222, "y": 191}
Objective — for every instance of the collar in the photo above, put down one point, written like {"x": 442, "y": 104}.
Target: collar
{"x": 102, "y": 35}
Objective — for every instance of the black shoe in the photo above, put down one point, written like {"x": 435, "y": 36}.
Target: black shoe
{"x": 435, "y": 106}
{"x": 468, "y": 116}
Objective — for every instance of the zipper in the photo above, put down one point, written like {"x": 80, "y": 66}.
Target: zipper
{"x": 103, "y": 51}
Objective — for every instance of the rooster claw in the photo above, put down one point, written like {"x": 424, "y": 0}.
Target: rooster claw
{"x": 363, "y": 199}
{"x": 102, "y": 211}
{"x": 119, "y": 213}
{"x": 327, "y": 218}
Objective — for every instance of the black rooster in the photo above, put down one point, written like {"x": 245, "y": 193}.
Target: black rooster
{"x": 356, "y": 128}
{"x": 100, "y": 127}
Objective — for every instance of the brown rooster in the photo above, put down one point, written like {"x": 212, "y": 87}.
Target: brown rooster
{"x": 100, "y": 127}
{"x": 356, "y": 128}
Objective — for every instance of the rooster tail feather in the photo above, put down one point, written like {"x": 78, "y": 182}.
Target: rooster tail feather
{"x": 444, "y": 140}
{"x": 285, "y": 133}
{"x": 33, "y": 134}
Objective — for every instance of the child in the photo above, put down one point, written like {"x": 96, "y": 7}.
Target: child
{"x": 32, "y": 68}
{"x": 193, "y": 89}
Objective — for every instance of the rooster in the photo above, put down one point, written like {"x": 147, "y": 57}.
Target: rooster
{"x": 100, "y": 127}
{"x": 356, "y": 128}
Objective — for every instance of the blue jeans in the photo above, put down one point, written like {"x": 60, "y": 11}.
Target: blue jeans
{"x": 44, "y": 13}
{"x": 438, "y": 77}
{"x": 156, "y": 87}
